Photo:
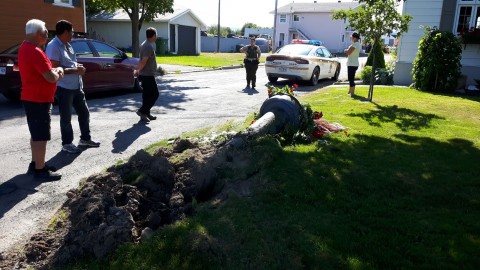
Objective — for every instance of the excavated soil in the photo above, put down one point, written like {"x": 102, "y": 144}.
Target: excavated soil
{"x": 129, "y": 201}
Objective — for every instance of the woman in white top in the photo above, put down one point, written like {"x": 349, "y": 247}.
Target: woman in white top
{"x": 352, "y": 63}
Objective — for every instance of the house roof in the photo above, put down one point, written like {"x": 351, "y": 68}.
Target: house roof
{"x": 315, "y": 7}
{"x": 121, "y": 15}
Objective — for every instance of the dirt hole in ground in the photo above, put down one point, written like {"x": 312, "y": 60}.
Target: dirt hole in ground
{"x": 129, "y": 201}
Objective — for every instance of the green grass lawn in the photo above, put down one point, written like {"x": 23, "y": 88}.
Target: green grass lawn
{"x": 399, "y": 190}
{"x": 206, "y": 60}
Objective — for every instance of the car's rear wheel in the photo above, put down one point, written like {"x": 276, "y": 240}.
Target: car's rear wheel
{"x": 272, "y": 79}
{"x": 315, "y": 75}
{"x": 12, "y": 96}
{"x": 337, "y": 73}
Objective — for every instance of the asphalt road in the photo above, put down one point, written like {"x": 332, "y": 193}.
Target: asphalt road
{"x": 187, "y": 102}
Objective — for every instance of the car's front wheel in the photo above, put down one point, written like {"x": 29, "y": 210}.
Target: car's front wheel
{"x": 337, "y": 73}
{"x": 272, "y": 79}
{"x": 315, "y": 75}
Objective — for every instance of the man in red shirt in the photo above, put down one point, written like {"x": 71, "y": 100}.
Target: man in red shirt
{"x": 38, "y": 89}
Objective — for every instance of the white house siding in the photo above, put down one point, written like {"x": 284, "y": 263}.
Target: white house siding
{"x": 428, "y": 13}
{"x": 111, "y": 33}
{"x": 119, "y": 33}
{"x": 318, "y": 26}
{"x": 321, "y": 26}
{"x": 425, "y": 13}
{"x": 471, "y": 62}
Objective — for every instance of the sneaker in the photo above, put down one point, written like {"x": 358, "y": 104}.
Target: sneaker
{"x": 88, "y": 143}
{"x": 46, "y": 175}
{"x": 151, "y": 117}
{"x": 143, "y": 117}
{"x": 71, "y": 148}
{"x": 31, "y": 168}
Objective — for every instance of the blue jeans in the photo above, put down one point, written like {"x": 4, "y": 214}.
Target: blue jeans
{"x": 67, "y": 99}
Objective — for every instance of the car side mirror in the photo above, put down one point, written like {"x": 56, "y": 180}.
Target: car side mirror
{"x": 333, "y": 56}
{"x": 124, "y": 56}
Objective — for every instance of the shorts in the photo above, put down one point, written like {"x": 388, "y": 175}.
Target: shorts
{"x": 38, "y": 120}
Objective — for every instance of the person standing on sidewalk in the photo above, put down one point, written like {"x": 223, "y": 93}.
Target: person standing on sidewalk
{"x": 70, "y": 89}
{"x": 38, "y": 89}
{"x": 251, "y": 61}
{"x": 146, "y": 69}
{"x": 353, "y": 53}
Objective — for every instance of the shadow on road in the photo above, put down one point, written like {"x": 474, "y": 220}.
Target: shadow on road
{"x": 123, "y": 139}
{"x": 15, "y": 190}
{"x": 249, "y": 91}
{"x": 62, "y": 159}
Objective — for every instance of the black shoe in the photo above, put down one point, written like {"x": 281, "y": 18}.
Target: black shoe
{"x": 151, "y": 117}
{"x": 247, "y": 87}
{"x": 88, "y": 143}
{"x": 143, "y": 117}
{"x": 31, "y": 168}
{"x": 46, "y": 175}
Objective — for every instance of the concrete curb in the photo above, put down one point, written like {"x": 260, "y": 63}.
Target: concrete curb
{"x": 346, "y": 83}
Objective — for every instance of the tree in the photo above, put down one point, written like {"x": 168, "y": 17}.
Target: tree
{"x": 372, "y": 19}
{"x": 248, "y": 25}
{"x": 139, "y": 11}
{"x": 224, "y": 31}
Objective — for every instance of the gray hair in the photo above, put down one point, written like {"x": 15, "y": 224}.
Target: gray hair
{"x": 33, "y": 26}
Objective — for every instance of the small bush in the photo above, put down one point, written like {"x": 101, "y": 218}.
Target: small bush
{"x": 365, "y": 74}
{"x": 382, "y": 76}
{"x": 377, "y": 50}
{"x": 436, "y": 67}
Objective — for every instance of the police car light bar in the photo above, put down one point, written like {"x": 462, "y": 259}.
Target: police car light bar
{"x": 307, "y": 41}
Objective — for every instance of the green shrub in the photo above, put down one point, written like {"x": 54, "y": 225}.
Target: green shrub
{"x": 365, "y": 74}
{"x": 436, "y": 67}
{"x": 382, "y": 76}
{"x": 377, "y": 50}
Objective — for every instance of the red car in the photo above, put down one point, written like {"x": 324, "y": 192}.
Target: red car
{"x": 107, "y": 68}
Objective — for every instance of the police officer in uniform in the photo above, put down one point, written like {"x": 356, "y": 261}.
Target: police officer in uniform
{"x": 251, "y": 61}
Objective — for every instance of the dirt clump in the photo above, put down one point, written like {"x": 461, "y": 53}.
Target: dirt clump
{"x": 131, "y": 200}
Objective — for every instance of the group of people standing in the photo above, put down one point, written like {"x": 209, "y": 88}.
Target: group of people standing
{"x": 56, "y": 73}
{"x": 253, "y": 53}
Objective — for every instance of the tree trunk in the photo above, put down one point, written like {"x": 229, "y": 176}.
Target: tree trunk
{"x": 135, "y": 29}
{"x": 372, "y": 77}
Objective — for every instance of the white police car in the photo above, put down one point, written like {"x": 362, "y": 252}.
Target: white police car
{"x": 302, "y": 60}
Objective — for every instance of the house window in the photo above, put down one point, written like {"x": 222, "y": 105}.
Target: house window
{"x": 294, "y": 36}
{"x": 63, "y": 2}
{"x": 468, "y": 15}
{"x": 283, "y": 18}
{"x": 343, "y": 38}
{"x": 296, "y": 18}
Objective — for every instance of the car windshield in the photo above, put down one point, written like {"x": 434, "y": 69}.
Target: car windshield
{"x": 297, "y": 49}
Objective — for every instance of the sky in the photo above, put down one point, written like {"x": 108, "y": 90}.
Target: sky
{"x": 235, "y": 13}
